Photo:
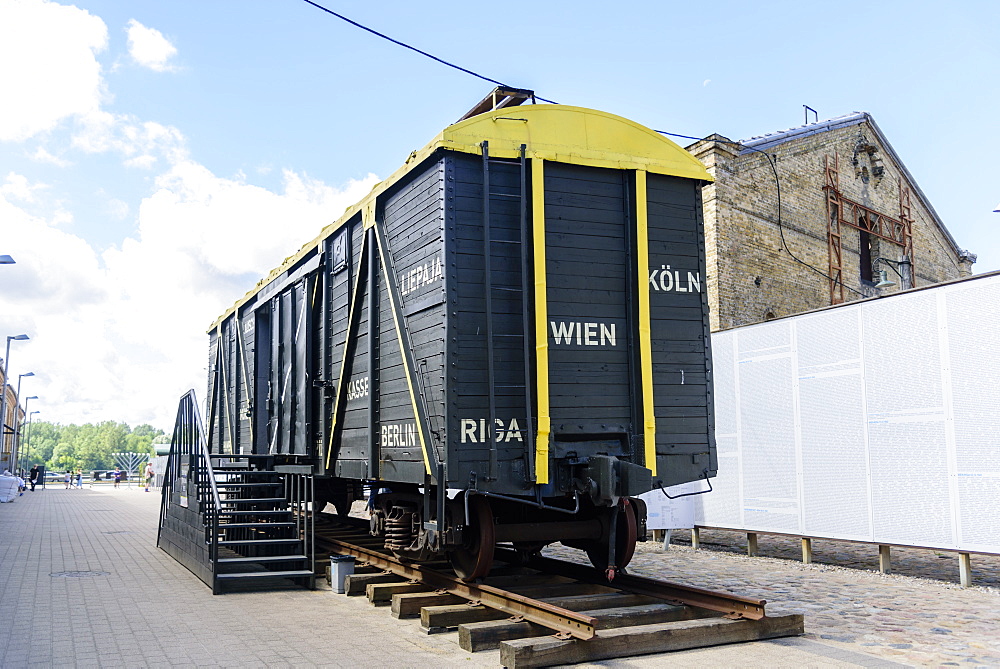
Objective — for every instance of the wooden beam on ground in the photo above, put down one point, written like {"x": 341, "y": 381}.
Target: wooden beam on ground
{"x": 563, "y": 590}
{"x": 380, "y": 594}
{"x": 602, "y": 600}
{"x": 516, "y": 581}
{"x": 408, "y": 605}
{"x": 440, "y": 618}
{"x": 357, "y": 584}
{"x": 647, "y": 614}
{"x": 965, "y": 569}
{"x": 645, "y": 639}
{"x": 807, "y": 550}
{"x": 884, "y": 559}
{"x": 489, "y": 634}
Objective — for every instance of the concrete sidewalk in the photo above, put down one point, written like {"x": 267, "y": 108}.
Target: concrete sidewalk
{"x": 83, "y": 584}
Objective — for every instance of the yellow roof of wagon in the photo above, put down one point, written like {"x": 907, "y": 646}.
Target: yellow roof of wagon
{"x": 559, "y": 133}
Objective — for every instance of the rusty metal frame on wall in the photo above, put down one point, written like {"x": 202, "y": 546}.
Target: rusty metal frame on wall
{"x": 858, "y": 216}
{"x": 834, "y": 243}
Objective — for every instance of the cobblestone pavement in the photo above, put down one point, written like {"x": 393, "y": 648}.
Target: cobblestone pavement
{"x": 923, "y": 618}
{"x": 84, "y": 585}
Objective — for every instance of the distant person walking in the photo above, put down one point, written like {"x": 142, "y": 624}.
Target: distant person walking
{"x": 79, "y": 479}
{"x": 118, "y": 476}
{"x": 68, "y": 478}
{"x": 33, "y": 477}
{"x": 149, "y": 475}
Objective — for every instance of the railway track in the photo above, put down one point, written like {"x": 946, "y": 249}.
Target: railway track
{"x": 547, "y": 611}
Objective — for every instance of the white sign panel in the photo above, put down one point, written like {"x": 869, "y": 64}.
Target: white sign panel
{"x": 876, "y": 421}
{"x": 663, "y": 513}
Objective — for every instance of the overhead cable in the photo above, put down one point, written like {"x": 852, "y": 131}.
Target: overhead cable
{"x": 413, "y": 48}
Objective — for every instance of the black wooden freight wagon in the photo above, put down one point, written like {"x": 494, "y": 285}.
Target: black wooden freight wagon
{"x": 517, "y": 314}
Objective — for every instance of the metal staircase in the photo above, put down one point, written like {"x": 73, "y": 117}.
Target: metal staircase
{"x": 232, "y": 519}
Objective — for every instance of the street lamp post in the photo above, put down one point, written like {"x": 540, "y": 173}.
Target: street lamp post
{"x": 25, "y": 420}
{"x": 3, "y": 401}
{"x": 14, "y": 453}
{"x": 27, "y": 456}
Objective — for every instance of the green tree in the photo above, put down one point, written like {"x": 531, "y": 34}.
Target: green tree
{"x": 40, "y": 440}
{"x": 63, "y": 457}
{"x": 89, "y": 446}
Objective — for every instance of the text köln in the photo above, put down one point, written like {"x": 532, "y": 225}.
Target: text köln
{"x": 669, "y": 280}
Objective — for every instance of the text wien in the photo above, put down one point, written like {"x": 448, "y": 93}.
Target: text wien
{"x": 584, "y": 334}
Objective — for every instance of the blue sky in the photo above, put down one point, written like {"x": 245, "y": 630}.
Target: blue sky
{"x": 157, "y": 158}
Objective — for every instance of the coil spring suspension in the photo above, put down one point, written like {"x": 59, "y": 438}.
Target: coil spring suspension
{"x": 399, "y": 528}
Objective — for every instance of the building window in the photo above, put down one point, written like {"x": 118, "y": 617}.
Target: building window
{"x": 866, "y": 256}
{"x": 868, "y": 248}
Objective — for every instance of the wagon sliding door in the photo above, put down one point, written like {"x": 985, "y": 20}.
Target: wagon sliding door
{"x": 291, "y": 316}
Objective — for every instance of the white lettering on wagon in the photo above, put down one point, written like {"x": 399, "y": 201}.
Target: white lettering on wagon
{"x": 421, "y": 275}
{"x": 474, "y": 431}
{"x": 584, "y": 334}
{"x": 668, "y": 280}
{"x": 357, "y": 388}
{"x": 400, "y": 435}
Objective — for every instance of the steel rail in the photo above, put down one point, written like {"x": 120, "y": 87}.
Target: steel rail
{"x": 556, "y": 618}
{"x": 733, "y": 606}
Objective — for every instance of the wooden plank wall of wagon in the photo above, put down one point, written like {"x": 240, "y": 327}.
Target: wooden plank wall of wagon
{"x": 679, "y": 328}
{"x": 468, "y": 381}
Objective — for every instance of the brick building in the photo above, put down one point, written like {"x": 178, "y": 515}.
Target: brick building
{"x": 850, "y": 210}
{"x": 14, "y": 417}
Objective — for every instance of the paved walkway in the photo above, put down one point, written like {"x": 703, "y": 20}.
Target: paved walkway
{"x": 83, "y": 584}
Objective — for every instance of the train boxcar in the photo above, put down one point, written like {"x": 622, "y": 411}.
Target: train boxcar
{"x": 507, "y": 340}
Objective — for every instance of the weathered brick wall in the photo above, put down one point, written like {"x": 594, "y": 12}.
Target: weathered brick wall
{"x": 753, "y": 274}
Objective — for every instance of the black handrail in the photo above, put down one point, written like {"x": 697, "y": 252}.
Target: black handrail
{"x": 189, "y": 440}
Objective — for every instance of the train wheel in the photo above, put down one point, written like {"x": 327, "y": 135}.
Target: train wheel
{"x": 626, "y": 529}
{"x": 473, "y": 560}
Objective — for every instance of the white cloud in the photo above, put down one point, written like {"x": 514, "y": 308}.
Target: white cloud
{"x": 140, "y": 143}
{"x": 149, "y": 47}
{"x": 48, "y": 65}
{"x": 16, "y": 187}
{"x": 43, "y": 156}
{"x": 121, "y": 335}
{"x": 118, "y": 209}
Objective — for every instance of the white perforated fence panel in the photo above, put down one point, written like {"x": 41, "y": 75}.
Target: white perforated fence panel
{"x": 877, "y": 421}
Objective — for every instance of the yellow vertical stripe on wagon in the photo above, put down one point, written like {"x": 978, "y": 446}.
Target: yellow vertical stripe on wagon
{"x": 645, "y": 343}
{"x": 352, "y": 305}
{"x": 417, "y": 416}
{"x": 541, "y": 321}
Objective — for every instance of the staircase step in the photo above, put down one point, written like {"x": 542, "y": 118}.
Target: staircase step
{"x": 252, "y": 512}
{"x": 255, "y": 500}
{"x": 269, "y": 558}
{"x": 227, "y": 484}
{"x": 223, "y": 526}
{"x": 239, "y": 456}
{"x": 257, "y": 542}
{"x": 267, "y": 574}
